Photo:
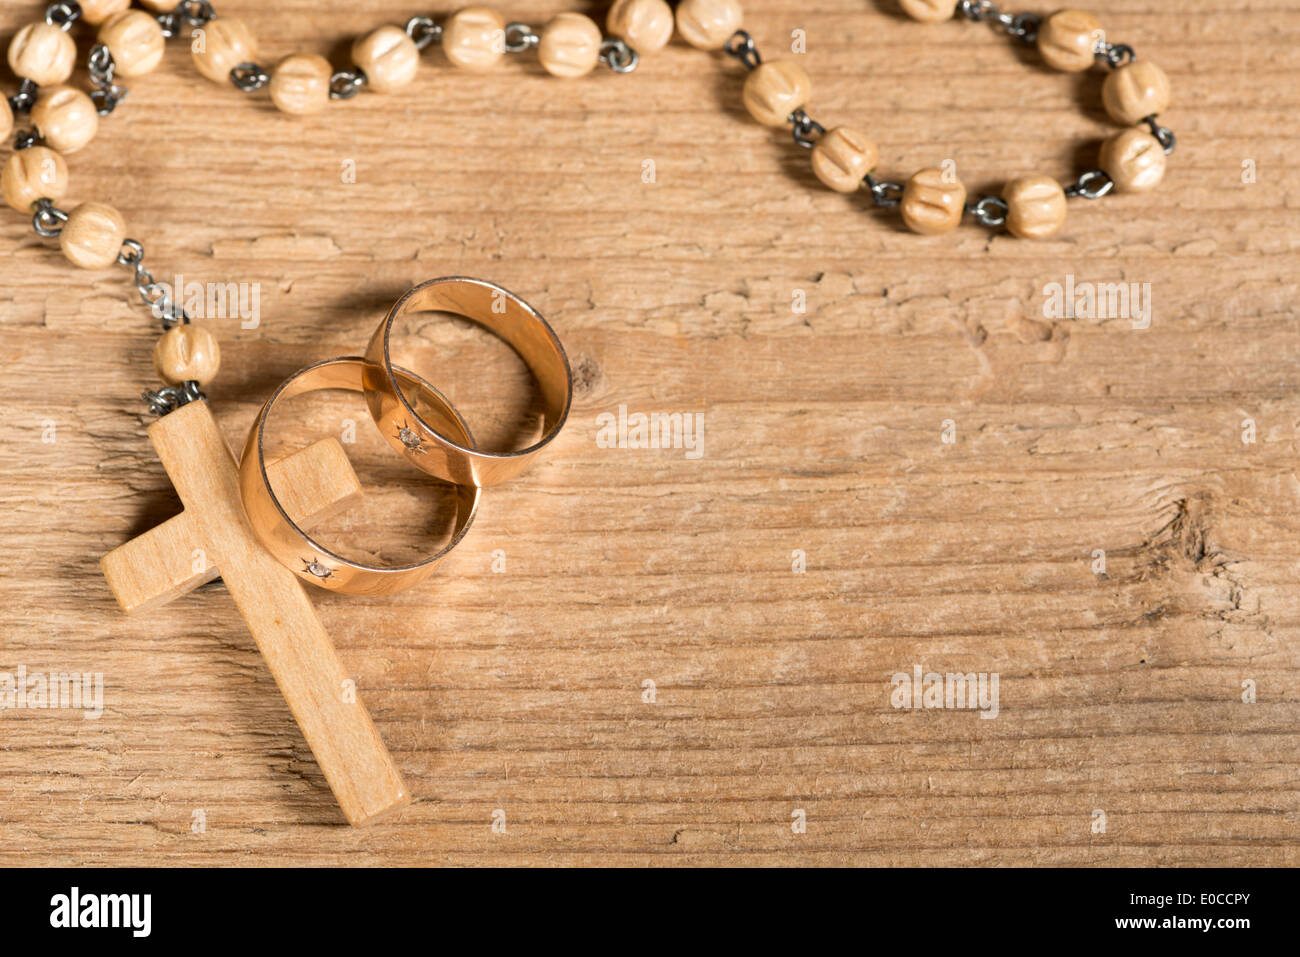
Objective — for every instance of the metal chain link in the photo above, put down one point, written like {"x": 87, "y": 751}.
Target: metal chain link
{"x": 345, "y": 84}
{"x": 249, "y": 77}
{"x": 25, "y": 98}
{"x": 883, "y": 192}
{"x": 194, "y": 13}
{"x": 741, "y": 46}
{"x": 107, "y": 93}
{"x": 48, "y": 219}
{"x": 1093, "y": 184}
{"x": 154, "y": 295}
{"x": 618, "y": 56}
{"x": 172, "y": 397}
{"x": 1163, "y": 134}
{"x": 424, "y": 31}
{"x": 1021, "y": 26}
{"x": 170, "y": 23}
{"x": 63, "y": 15}
{"x": 1115, "y": 55}
{"x": 977, "y": 9}
{"x": 989, "y": 211}
{"x": 519, "y": 37}
{"x": 197, "y": 13}
{"x": 806, "y": 130}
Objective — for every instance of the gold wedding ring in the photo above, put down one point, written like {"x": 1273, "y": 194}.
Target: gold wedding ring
{"x": 418, "y": 421}
{"x": 297, "y": 550}
{"x": 431, "y": 446}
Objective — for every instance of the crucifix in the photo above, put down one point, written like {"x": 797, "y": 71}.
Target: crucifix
{"x": 211, "y": 538}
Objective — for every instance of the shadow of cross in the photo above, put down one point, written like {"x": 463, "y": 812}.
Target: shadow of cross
{"x": 211, "y": 538}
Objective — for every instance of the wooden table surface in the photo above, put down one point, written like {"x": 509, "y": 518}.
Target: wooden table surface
{"x": 948, "y": 458}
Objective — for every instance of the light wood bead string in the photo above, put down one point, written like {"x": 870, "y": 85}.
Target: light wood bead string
{"x": 934, "y": 200}
{"x": 131, "y": 41}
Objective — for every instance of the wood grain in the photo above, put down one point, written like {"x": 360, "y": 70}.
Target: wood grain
{"x": 521, "y": 691}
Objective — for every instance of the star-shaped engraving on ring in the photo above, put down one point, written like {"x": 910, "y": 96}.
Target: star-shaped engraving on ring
{"x": 406, "y": 435}
{"x": 315, "y": 567}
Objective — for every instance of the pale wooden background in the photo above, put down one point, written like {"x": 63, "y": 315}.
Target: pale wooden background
{"x": 522, "y": 691}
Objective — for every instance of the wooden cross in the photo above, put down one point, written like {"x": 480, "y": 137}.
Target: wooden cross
{"x": 211, "y": 538}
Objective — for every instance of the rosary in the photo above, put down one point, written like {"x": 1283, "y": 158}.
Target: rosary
{"x": 244, "y": 521}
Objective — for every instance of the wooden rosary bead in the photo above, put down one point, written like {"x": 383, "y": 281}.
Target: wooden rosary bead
{"x": 6, "y": 118}
{"x": 42, "y": 53}
{"x": 843, "y": 157}
{"x": 37, "y": 172}
{"x": 570, "y": 45}
{"x": 136, "y": 41}
{"x": 930, "y": 205}
{"x": 65, "y": 117}
{"x": 1134, "y": 159}
{"x": 92, "y": 237}
{"x": 474, "y": 38}
{"x": 929, "y": 11}
{"x": 187, "y": 353}
{"x": 159, "y": 6}
{"x": 708, "y": 24}
{"x": 224, "y": 44}
{"x": 96, "y": 12}
{"x": 1035, "y": 206}
{"x": 388, "y": 57}
{"x": 300, "y": 84}
{"x": 1135, "y": 91}
{"x": 1068, "y": 40}
{"x": 646, "y": 25}
{"x": 774, "y": 90}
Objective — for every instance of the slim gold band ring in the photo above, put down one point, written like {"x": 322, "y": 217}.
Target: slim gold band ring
{"x": 440, "y": 452}
{"x": 297, "y": 550}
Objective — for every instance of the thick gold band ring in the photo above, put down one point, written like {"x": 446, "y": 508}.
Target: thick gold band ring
{"x": 293, "y": 547}
{"x": 438, "y": 451}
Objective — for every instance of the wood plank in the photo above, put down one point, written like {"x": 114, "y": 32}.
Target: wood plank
{"x": 521, "y": 690}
